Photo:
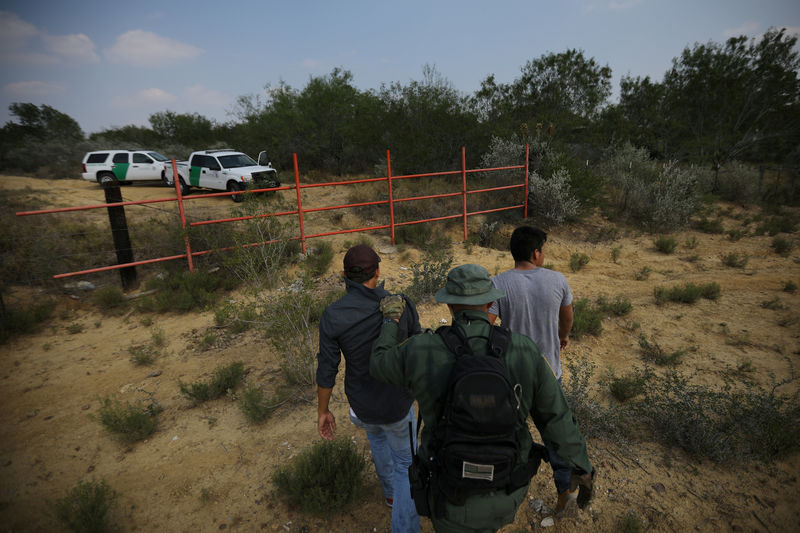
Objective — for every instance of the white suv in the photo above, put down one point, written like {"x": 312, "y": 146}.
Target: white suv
{"x": 123, "y": 166}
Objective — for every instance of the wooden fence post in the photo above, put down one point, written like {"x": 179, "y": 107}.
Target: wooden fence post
{"x": 119, "y": 232}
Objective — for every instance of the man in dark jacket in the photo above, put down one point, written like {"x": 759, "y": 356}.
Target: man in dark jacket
{"x": 349, "y": 326}
{"x": 423, "y": 363}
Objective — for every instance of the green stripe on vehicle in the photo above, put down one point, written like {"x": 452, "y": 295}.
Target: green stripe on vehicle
{"x": 120, "y": 170}
{"x": 194, "y": 176}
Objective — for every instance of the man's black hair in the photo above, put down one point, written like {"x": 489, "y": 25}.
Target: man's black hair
{"x": 525, "y": 240}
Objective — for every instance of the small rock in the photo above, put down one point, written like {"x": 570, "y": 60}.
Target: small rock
{"x": 442, "y": 321}
{"x": 154, "y": 374}
{"x": 548, "y": 522}
{"x": 659, "y": 488}
{"x": 537, "y": 505}
{"x": 86, "y": 407}
{"x": 90, "y": 469}
{"x": 546, "y": 511}
{"x": 86, "y": 285}
{"x": 33, "y": 413}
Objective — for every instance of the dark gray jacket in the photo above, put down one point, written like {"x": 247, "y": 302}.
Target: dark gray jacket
{"x": 349, "y": 326}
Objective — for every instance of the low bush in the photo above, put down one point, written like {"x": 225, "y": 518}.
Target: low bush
{"x": 666, "y": 244}
{"x": 619, "y": 306}
{"x": 689, "y": 293}
{"x": 788, "y": 286}
{"x": 325, "y": 477}
{"x": 255, "y": 405}
{"x": 708, "y": 226}
{"x": 780, "y": 223}
{"x": 734, "y": 260}
{"x": 224, "y": 378}
{"x": 143, "y": 354}
{"x": 19, "y": 321}
{"x": 782, "y": 245}
{"x": 653, "y": 353}
{"x": 735, "y": 234}
{"x": 128, "y": 422}
{"x": 587, "y": 319}
{"x": 643, "y": 274}
{"x": 108, "y": 299}
{"x": 185, "y": 291}
{"x": 319, "y": 259}
{"x": 577, "y": 261}
{"x": 615, "y": 253}
{"x": 551, "y": 198}
{"x": 595, "y": 419}
{"x": 628, "y": 386}
{"x": 429, "y": 275}
{"x": 86, "y": 507}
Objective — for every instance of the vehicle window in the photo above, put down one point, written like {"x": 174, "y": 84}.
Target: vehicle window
{"x": 97, "y": 158}
{"x": 120, "y": 158}
{"x": 198, "y": 161}
{"x": 157, "y": 156}
{"x": 237, "y": 161}
{"x": 141, "y": 158}
{"x": 212, "y": 163}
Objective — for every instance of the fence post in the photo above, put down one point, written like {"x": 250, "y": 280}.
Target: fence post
{"x": 527, "y": 169}
{"x": 299, "y": 203}
{"x": 176, "y": 180}
{"x": 464, "y": 187}
{"x": 391, "y": 197}
{"x": 119, "y": 232}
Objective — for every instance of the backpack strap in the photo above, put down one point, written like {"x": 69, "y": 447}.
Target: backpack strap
{"x": 456, "y": 342}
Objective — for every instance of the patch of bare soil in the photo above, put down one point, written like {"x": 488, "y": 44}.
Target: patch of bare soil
{"x": 207, "y": 469}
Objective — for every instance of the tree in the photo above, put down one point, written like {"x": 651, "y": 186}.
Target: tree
{"x": 188, "y": 129}
{"x": 734, "y": 100}
{"x": 40, "y": 130}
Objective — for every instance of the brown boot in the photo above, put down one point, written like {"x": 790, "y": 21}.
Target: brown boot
{"x": 566, "y": 500}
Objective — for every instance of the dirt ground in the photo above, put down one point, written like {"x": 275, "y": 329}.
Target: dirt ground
{"x": 207, "y": 469}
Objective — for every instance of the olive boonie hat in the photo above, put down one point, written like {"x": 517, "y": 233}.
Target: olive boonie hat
{"x": 468, "y": 285}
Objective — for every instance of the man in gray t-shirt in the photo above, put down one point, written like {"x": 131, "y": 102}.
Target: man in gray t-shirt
{"x": 538, "y": 303}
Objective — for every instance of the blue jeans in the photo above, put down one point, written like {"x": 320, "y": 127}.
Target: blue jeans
{"x": 562, "y": 472}
{"x": 391, "y": 453}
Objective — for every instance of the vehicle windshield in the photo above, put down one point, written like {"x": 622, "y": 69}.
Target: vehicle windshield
{"x": 236, "y": 161}
{"x": 157, "y": 156}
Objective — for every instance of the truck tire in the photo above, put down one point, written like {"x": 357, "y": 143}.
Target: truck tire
{"x": 184, "y": 187}
{"x": 234, "y": 186}
{"x": 106, "y": 178}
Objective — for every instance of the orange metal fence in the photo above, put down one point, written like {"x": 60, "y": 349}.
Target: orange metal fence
{"x": 189, "y": 255}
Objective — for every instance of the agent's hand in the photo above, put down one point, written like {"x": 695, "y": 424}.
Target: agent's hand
{"x": 586, "y": 485}
{"x": 564, "y": 342}
{"x": 326, "y": 424}
{"x": 392, "y": 306}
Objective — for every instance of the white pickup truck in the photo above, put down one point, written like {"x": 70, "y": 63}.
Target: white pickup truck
{"x": 223, "y": 170}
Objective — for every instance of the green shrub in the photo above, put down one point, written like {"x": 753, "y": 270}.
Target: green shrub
{"x": 623, "y": 388}
{"x": 782, "y": 223}
{"x": 788, "y": 286}
{"x": 708, "y": 226}
{"x": 774, "y": 304}
{"x": 735, "y": 234}
{"x": 184, "y": 291}
{"x": 666, "y": 244}
{"x": 618, "y": 307}
{"x": 237, "y": 318}
{"x": 429, "y": 275}
{"x": 629, "y": 522}
{"x": 319, "y": 259}
{"x": 596, "y": 420}
{"x": 691, "y": 242}
{"x": 75, "y": 328}
{"x": 689, "y": 293}
{"x": 489, "y": 236}
{"x": 142, "y": 354}
{"x": 325, "y": 477}
{"x": 643, "y": 274}
{"x": 577, "y": 261}
{"x": 255, "y": 405}
{"x": 108, "y": 298}
{"x": 782, "y": 245}
{"x": 587, "y": 319}
{"x": 129, "y": 422}
{"x": 653, "y": 353}
{"x": 734, "y": 260}
{"x": 615, "y": 253}
{"x": 85, "y": 508}
{"x": 18, "y": 321}
{"x": 224, "y": 378}
{"x": 424, "y": 237}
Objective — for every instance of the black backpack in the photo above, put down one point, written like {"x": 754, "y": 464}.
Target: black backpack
{"x": 475, "y": 446}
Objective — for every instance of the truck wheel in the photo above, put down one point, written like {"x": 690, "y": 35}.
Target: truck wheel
{"x": 184, "y": 187}
{"x": 233, "y": 186}
{"x": 106, "y": 178}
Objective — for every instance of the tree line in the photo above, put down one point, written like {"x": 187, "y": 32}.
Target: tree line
{"x": 718, "y": 102}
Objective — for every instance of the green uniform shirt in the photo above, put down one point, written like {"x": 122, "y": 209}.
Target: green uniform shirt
{"x": 423, "y": 365}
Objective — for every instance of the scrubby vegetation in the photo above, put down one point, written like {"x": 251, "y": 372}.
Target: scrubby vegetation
{"x": 86, "y": 507}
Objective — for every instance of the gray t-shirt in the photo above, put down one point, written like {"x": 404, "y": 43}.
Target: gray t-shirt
{"x": 531, "y": 306}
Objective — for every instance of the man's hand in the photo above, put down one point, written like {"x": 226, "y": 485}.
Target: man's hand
{"x": 392, "y": 306}
{"x": 564, "y": 341}
{"x": 586, "y": 485}
{"x": 326, "y": 425}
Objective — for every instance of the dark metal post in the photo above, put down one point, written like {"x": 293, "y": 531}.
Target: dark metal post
{"x": 119, "y": 231}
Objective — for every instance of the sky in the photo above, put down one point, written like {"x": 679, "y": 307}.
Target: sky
{"x": 108, "y": 63}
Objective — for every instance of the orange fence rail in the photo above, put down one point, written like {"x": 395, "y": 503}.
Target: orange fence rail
{"x": 189, "y": 255}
